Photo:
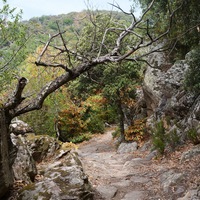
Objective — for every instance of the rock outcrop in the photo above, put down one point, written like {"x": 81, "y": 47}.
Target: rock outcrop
{"x": 45, "y": 167}
{"x": 61, "y": 179}
{"x": 179, "y": 110}
{"x": 42, "y": 146}
{"x": 24, "y": 166}
{"x": 19, "y": 127}
{"x": 166, "y": 98}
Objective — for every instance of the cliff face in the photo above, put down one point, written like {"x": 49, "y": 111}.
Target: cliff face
{"x": 166, "y": 98}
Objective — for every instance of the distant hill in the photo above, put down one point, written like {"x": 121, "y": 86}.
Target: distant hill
{"x": 71, "y": 22}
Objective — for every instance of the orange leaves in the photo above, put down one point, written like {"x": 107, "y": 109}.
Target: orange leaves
{"x": 136, "y": 132}
{"x": 77, "y": 119}
{"x": 96, "y": 102}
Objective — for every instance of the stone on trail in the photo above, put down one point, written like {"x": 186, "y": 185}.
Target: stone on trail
{"x": 135, "y": 195}
{"x": 191, "y": 153}
{"x": 171, "y": 178}
{"x": 127, "y": 147}
{"x": 108, "y": 192}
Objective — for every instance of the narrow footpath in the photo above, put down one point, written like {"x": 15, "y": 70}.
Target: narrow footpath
{"x": 126, "y": 176}
{"x": 138, "y": 175}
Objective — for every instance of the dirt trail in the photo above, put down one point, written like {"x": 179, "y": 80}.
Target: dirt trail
{"x": 135, "y": 176}
{"x": 126, "y": 176}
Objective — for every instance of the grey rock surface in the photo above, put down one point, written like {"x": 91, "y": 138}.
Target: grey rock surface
{"x": 63, "y": 179}
{"x": 190, "y": 153}
{"x": 24, "y": 166}
{"x": 42, "y": 146}
{"x": 19, "y": 127}
{"x": 107, "y": 191}
{"x": 170, "y": 178}
{"x": 135, "y": 195}
{"x": 127, "y": 147}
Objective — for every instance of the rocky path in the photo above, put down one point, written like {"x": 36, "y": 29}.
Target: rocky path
{"x": 135, "y": 176}
{"x": 125, "y": 176}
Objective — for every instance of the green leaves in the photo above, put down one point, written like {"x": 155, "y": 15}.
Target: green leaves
{"x": 183, "y": 34}
{"x": 12, "y": 43}
{"x": 192, "y": 77}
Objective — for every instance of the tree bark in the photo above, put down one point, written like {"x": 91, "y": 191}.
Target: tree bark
{"x": 121, "y": 119}
{"x": 7, "y": 154}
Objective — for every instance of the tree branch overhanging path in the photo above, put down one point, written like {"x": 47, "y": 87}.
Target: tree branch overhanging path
{"x": 75, "y": 62}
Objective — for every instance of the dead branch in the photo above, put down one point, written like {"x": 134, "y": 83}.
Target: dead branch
{"x": 65, "y": 46}
{"x": 16, "y": 98}
{"x": 84, "y": 61}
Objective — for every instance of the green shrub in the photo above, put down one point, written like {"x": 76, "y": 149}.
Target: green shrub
{"x": 158, "y": 137}
{"x": 193, "y": 136}
{"x": 80, "y": 138}
{"x": 192, "y": 77}
{"x": 173, "y": 139}
{"x": 116, "y": 133}
{"x": 162, "y": 140}
{"x": 95, "y": 124}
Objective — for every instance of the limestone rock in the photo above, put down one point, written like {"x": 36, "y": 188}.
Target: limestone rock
{"x": 167, "y": 100}
{"x": 24, "y": 167}
{"x": 107, "y": 191}
{"x": 160, "y": 86}
{"x": 63, "y": 179}
{"x": 191, "y": 153}
{"x": 135, "y": 195}
{"x": 42, "y": 146}
{"x": 171, "y": 178}
{"x": 19, "y": 127}
{"x": 127, "y": 147}
{"x": 191, "y": 195}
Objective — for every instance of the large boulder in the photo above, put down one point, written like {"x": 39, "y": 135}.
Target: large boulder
{"x": 62, "y": 179}
{"x": 42, "y": 146}
{"x": 161, "y": 87}
{"x": 24, "y": 166}
{"x": 166, "y": 98}
{"x": 48, "y": 169}
{"x": 19, "y": 127}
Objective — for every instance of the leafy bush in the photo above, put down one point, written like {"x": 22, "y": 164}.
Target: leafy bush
{"x": 42, "y": 121}
{"x": 192, "y": 77}
{"x": 94, "y": 113}
{"x": 162, "y": 140}
{"x": 80, "y": 138}
{"x": 173, "y": 139}
{"x": 116, "y": 133}
{"x": 95, "y": 124}
{"x": 136, "y": 132}
{"x": 193, "y": 136}
{"x": 75, "y": 120}
{"x": 158, "y": 137}
{"x": 70, "y": 121}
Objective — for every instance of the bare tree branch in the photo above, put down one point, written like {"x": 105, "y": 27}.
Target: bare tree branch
{"x": 65, "y": 46}
{"x": 17, "y": 98}
{"x": 84, "y": 61}
{"x": 50, "y": 87}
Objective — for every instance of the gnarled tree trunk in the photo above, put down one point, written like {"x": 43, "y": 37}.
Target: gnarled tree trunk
{"x": 7, "y": 152}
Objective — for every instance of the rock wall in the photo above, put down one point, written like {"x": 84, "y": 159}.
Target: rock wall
{"x": 24, "y": 166}
{"x": 62, "y": 179}
{"x": 48, "y": 169}
{"x": 165, "y": 96}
